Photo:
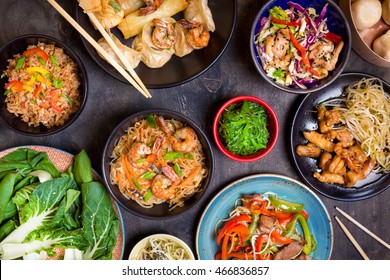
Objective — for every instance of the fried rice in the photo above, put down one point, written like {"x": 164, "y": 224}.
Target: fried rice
{"x": 43, "y": 86}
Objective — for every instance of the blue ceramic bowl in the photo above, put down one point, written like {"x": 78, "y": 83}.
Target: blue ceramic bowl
{"x": 286, "y": 188}
{"x": 336, "y": 22}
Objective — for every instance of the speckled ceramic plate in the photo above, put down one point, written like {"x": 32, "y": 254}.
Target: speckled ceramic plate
{"x": 286, "y": 188}
{"x": 306, "y": 119}
{"x": 62, "y": 160}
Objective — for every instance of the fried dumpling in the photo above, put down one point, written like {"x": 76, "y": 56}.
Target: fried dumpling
{"x": 132, "y": 56}
{"x": 90, "y": 5}
{"x": 129, "y": 6}
{"x": 199, "y": 11}
{"x": 182, "y": 48}
{"x": 111, "y": 14}
{"x": 154, "y": 56}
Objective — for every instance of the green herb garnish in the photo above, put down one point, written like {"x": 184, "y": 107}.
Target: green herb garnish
{"x": 117, "y": 8}
{"x": 243, "y": 128}
{"x": 53, "y": 60}
{"x": 151, "y": 121}
{"x": 177, "y": 169}
{"x": 20, "y": 63}
{"x": 173, "y": 155}
{"x": 148, "y": 195}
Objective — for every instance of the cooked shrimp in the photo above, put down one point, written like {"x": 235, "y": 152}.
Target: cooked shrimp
{"x": 164, "y": 34}
{"x": 185, "y": 140}
{"x": 141, "y": 156}
{"x": 325, "y": 54}
{"x": 151, "y": 6}
{"x": 109, "y": 17}
{"x": 197, "y": 36}
{"x": 276, "y": 47}
{"x": 163, "y": 187}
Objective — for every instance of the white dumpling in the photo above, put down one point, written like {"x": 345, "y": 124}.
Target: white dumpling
{"x": 129, "y": 6}
{"x": 151, "y": 55}
{"x": 110, "y": 15}
{"x": 382, "y": 45}
{"x": 182, "y": 48}
{"x": 132, "y": 56}
{"x": 366, "y": 13}
{"x": 199, "y": 11}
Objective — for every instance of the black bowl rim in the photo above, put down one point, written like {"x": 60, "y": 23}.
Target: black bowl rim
{"x": 106, "y": 158}
{"x": 166, "y": 85}
{"x": 81, "y": 67}
{"x": 301, "y": 91}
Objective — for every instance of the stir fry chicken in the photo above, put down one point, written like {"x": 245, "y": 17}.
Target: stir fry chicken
{"x": 341, "y": 160}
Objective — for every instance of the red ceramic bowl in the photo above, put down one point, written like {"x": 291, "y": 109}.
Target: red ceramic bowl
{"x": 272, "y": 126}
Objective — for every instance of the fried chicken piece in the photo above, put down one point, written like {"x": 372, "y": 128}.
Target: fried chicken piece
{"x": 354, "y": 157}
{"x": 308, "y": 150}
{"x": 337, "y": 166}
{"x": 319, "y": 140}
{"x": 324, "y": 160}
{"x": 331, "y": 178}
{"x": 327, "y": 118}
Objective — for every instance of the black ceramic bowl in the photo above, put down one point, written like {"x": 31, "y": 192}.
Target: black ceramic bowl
{"x": 19, "y": 45}
{"x": 178, "y": 70}
{"x": 336, "y": 22}
{"x": 161, "y": 210}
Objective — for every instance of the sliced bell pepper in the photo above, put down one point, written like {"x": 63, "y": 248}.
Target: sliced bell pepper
{"x": 300, "y": 48}
{"x": 16, "y": 85}
{"x": 276, "y": 237}
{"x": 285, "y": 22}
{"x": 37, "y": 90}
{"x": 242, "y": 219}
{"x": 284, "y": 205}
{"x": 334, "y": 38}
{"x": 54, "y": 95}
{"x": 240, "y": 231}
{"x": 41, "y": 53}
{"x": 37, "y": 69}
{"x": 310, "y": 242}
{"x": 261, "y": 239}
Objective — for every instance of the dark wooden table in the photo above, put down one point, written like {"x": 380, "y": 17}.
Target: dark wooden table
{"x": 233, "y": 74}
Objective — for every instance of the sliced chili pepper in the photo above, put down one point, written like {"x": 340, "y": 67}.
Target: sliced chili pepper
{"x": 285, "y": 22}
{"x": 242, "y": 219}
{"x": 41, "y": 53}
{"x": 261, "y": 239}
{"x": 17, "y": 85}
{"x": 54, "y": 95}
{"x": 334, "y": 38}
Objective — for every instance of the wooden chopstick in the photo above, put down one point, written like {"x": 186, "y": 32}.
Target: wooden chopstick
{"x": 354, "y": 242}
{"x": 363, "y": 228}
{"x": 98, "y": 47}
{"x": 117, "y": 51}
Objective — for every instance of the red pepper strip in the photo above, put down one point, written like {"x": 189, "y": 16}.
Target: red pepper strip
{"x": 261, "y": 239}
{"x": 334, "y": 38}
{"x": 313, "y": 71}
{"x": 54, "y": 94}
{"x": 41, "y": 53}
{"x": 240, "y": 256}
{"x": 241, "y": 230}
{"x": 275, "y": 236}
{"x": 14, "y": 84}
{"x": 232, "y": 223}
{"x": 37, "y": 90}
{"x": 301, "y": 49}
{"x": 285, "y": 22}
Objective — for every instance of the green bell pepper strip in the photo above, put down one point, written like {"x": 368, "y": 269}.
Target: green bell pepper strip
{"x": 252, "y": 229}
{"x": 285, "y": 206}
{"x": 309, "y": 238}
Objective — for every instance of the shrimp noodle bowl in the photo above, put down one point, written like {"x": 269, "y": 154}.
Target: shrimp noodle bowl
{"x": 366, "y": 113}
{"x": 158, "y": 161}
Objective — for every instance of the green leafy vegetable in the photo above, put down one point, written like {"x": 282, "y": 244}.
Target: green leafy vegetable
{"x": 82, "y": 168}
{"x": 243, "y": 128}
{"x": 151, "y": 121}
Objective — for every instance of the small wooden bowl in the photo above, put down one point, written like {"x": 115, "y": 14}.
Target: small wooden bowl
{"x": 362, "y": 40}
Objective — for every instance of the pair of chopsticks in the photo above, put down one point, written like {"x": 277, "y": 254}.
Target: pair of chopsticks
{"x": 353, "y": 240}
{"x": 133, "y": 79}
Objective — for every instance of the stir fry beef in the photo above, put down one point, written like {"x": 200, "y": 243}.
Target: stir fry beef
{"x": 341, "y": 160}
{"x": 291, "y": 251}
{"x": 266, "y": 223}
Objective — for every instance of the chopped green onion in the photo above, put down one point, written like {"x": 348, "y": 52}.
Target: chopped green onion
{"x": 48, "y": 77}
{"x": 151, "y": 121}
{"x": 137, "y": 184}
{"x": 68, "y": 99}
{"x": 148, "y": 175}
{"x": 41, "y": 61}
{"x": 20, "y": 63}
{"x": 173, "y": 155}
{"x": 177, "y": 169}
{"x": 7, "y": 92}
{"x": 189, "y": 156}
{"x": 57, "y": 83}
{"x": 141, "y": 160}
{"x": 117, "y": 8}
{"x": 54, "y": 60}
{"x": 147, "y": 195}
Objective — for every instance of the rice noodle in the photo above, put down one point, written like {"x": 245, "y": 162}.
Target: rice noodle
{"x": 366, "y": 113}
